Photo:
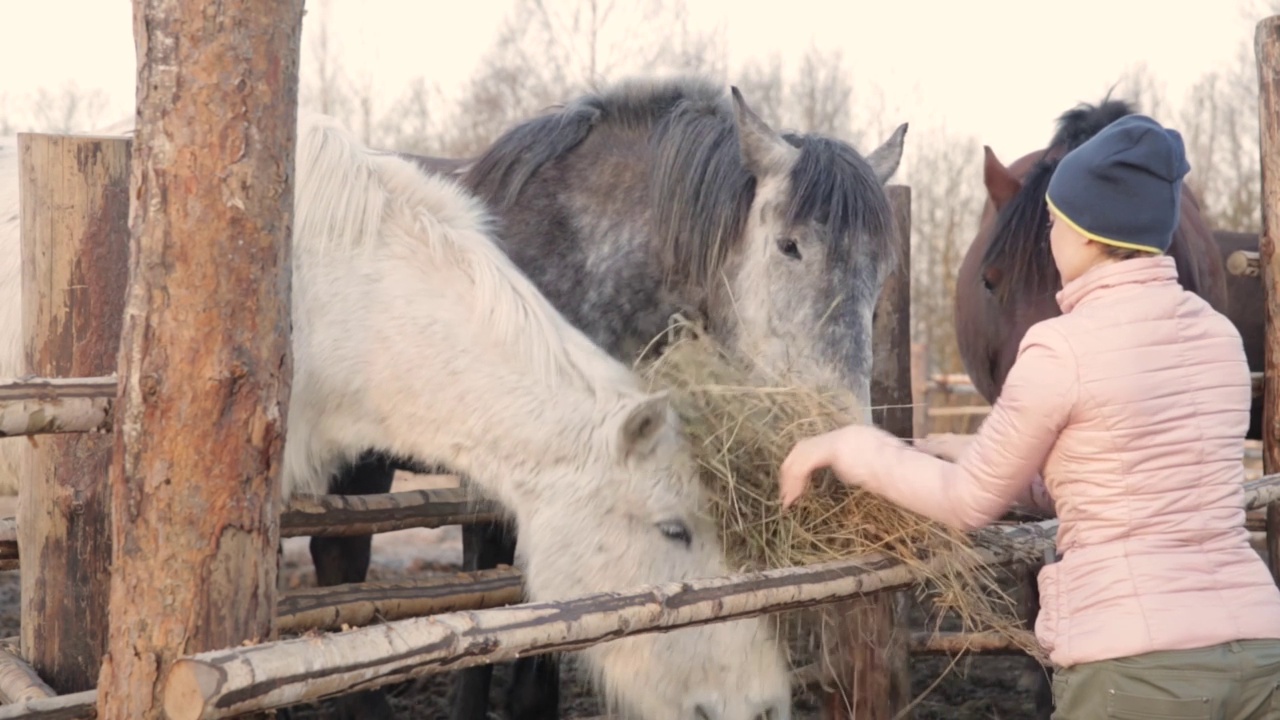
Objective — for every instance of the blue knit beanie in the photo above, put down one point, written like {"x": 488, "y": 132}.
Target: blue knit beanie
{"x": 1123, "y": 186}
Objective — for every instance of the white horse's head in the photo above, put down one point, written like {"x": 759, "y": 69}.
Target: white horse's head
{"x": 648, "y": 524}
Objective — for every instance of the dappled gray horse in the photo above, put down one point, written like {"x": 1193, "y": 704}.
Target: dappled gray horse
{"x": 652, "y": 198}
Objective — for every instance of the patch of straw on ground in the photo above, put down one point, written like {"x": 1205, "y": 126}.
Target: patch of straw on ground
{"x": 742, "y": 425}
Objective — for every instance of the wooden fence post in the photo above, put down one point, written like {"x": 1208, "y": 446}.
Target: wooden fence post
{"x": 870, "y": 631}
{"x": 1267, "y": 49}
{"x": 205, "y": 363}
{"x": 75, "y": 218}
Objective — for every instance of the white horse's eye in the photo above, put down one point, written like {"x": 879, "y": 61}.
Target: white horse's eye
{"x": 676, "y": 530}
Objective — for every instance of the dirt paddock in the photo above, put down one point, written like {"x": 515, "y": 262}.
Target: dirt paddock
{"x": 971, "y": 688}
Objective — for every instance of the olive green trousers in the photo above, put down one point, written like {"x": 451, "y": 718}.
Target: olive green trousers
{"x": 1233, "y": 681}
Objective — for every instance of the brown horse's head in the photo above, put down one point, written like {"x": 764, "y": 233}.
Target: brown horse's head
{"x": 1007, "y": 280}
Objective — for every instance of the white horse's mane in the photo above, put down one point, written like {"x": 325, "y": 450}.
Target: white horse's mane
{"x": 341, "y": 207}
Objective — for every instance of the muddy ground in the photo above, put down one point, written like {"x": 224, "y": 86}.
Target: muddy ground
{"x": 971, "y": 688}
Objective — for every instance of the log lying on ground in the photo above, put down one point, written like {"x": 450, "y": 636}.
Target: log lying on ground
{"x": 19, "y": 682}
{"x": 956, "y": 643}
{"x": 40, "y": 406}
{"x": 225, "y": 683}
{"x": 75, "y": 706}
{"x": 358, "y": 604}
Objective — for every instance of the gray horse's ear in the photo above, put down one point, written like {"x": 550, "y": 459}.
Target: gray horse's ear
{"x": 642, "y": 422}
{"x": 764, "y": 152}
{"x": 885, "y": 159}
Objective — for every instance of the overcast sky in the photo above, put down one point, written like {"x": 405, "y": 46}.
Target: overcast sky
{"x": 1000, "y": 70}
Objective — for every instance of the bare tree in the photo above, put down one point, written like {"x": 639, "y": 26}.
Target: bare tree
{"x": 545, "y": 53}
{"x": 411, "y": 124}
{"x": 819, "y": 97}
{"x": 1141, "y": 87}
{"x": 324, "y": 86}
{"x": 6, "y": 120}
{"x": 947, "y": 197}
{"x": 69, "y": 109}
{"x": 1219, "y": 121}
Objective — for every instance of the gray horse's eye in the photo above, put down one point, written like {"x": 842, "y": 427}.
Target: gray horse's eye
{"x": 676, "y": 530}
{"x": 789, "y": 248}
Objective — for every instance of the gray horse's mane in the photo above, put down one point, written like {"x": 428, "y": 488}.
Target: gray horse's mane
{"x": 699, "y": 187}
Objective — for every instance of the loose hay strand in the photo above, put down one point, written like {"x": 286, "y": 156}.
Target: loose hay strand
{"x": 742, "y": 423}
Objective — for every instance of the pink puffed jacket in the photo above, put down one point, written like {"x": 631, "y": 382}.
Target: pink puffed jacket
{"x": 1132, "y": 406}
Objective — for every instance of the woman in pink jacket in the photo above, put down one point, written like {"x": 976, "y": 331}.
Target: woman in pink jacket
{"x": 1126, "y": 416}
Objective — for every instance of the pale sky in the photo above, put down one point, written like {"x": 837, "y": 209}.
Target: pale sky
{"x": 1000, "y": 70}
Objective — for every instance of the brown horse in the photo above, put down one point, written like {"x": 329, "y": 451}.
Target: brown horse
{"x": 1007, "y": 280}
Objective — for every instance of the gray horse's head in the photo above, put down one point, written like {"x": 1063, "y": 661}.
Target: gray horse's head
{"x": 793, "y": 274}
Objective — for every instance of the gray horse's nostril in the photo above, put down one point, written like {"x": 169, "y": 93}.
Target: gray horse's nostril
{"x": 700, "y": 712}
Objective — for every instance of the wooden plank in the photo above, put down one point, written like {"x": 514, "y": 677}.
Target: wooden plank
{"x": 225, "y": 683}
{"x": 43, "y": 406}
{"x": 75, "y": 219}
{"x": 1267, "y": 50}
{"x": 205, "y": 354}
{"x": 357, "y": 604}
{"x": 346, "y": 515}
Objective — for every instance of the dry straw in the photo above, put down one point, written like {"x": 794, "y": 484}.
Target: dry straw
{"x": 742, "y": 424}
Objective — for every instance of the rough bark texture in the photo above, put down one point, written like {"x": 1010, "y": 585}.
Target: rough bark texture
{"x": 1267, "y": 49}
{"x": 869, "y": 638}
{"x": 75, "y": 215}
{"x": 224, "y": 683}
{"x": 205, "y": 364}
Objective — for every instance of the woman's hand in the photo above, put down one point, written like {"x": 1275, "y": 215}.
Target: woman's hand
{"x": 947, "y": 446}
{"x": 838, "y": 450}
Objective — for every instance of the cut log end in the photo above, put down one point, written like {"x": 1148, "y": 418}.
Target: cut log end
{"x": 186, "y": 688}
{"x": 1243, "y": 263}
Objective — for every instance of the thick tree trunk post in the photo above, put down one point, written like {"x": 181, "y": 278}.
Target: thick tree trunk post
{"x": 75, "y": 218}
{"x": 205, "y": 362}
{"x": 1267, "y": 49}
{"x": 869, "y": 631}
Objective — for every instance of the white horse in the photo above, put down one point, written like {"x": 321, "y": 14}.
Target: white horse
{"x": 414, "y": 333}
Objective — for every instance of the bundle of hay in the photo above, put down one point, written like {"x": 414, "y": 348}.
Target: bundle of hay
{"x": 742, "y": 425}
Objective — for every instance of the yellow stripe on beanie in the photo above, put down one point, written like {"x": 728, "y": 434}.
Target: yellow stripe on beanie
{"x": 1096, "y": 237}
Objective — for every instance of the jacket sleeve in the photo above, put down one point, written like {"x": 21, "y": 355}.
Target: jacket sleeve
{"x": 1003, "y": 463}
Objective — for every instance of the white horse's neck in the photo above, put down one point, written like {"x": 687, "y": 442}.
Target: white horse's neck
{"x": 395, "y": 272}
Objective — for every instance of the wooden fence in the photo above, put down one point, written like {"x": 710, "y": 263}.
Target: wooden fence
{"x": 426, "y": 629}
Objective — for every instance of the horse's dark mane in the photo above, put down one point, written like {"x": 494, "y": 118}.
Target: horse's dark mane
{"x": 701, "y": 190}
{"x": 1020, "y": 238}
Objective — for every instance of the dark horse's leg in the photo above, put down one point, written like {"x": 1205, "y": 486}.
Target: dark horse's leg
{"x": 534, "y": 692}
{"x": 340, "y": 560}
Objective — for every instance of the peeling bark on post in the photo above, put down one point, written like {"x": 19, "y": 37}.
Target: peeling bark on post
{"x": 205, "y": 364}
{"x": 1267, "y": 49}
{"x": 75, "y": 219}
{"x": 868, "y": 640}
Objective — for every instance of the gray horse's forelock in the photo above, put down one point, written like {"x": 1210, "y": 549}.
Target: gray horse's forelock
{"x": 834, "y": 187}
{"x": 703, "y": 193}
{"x": 701, "y": 190}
